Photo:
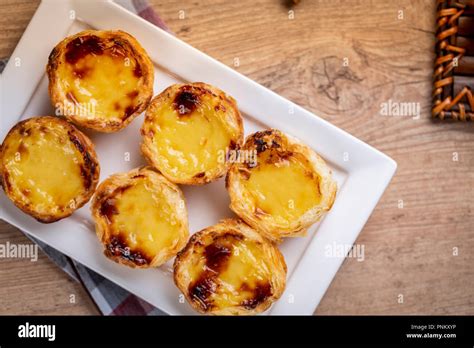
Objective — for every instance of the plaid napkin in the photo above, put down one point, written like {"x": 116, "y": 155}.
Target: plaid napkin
{"x": 109, "y": 298}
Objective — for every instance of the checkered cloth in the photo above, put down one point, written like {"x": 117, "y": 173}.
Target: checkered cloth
{"x": 109, "y": 298}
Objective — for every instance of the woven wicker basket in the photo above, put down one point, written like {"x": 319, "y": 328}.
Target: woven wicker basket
{"x": 454, "y": 64}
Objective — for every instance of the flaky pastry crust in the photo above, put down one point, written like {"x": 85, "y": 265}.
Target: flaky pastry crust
{"x": 278, "y": 152}
{"x": 48, "y": 167}
{"x": 191, "y": 104}
{"x": 128, "y": 226}
{"x": 230, "y": 269}
{"x": 100, "y": 79}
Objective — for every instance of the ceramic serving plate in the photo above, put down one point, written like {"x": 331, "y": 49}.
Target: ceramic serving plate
{"x": 361, "y": 171}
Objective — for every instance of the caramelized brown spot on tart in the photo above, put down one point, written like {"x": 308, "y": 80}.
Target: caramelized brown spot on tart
{"x": 260, "y": 144}
{"x": 52, "y": 62}
{"x": 130, "y": 110}
{"x": 232, "y": 145}
{"x": 86, "y": 176}
{"x": 81, "y": 73}
{"x": 217, "y": 255}
{"x": 220, "y": 107}
{"x": 202, "y": 289}
{"x": 259, "y": 294}
{"x": 285, "y": 155}
{"x": 108, "y": 209}
{"x": 263, "y": 144}
{"x": 186, "y": 101}
{"x": 118, "y": 49}
{"x": 83, "y": 46}
{"x": 138, "y": 71}
{"x": 117, "y": 247}
{"x": 227, "y": 183}
{"x": 89, "y": 167}
{"x": 22, "y": 149}
{"x": 43, "y": 129}
{"x": 132, "y": 95}
{"x": 24, "y": 130}
{"x": 200, "y": 175}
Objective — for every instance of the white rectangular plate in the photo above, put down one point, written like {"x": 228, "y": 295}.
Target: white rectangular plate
{"x": 361, "y": 179}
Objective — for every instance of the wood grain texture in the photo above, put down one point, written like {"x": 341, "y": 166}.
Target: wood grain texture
{"x": 409, "y": 250}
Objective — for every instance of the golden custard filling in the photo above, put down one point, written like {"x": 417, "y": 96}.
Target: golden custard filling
{"x": 44, "y": 167}
{"x": 284, "y": 189}
{"x": 100, "y": 78}
{"x": 141, "y": 220}
{"x": 190, "y": 135}
{"x": 230, "y": 271}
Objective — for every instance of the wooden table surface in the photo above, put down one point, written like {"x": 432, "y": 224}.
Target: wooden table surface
{"x": 422, "y": 249}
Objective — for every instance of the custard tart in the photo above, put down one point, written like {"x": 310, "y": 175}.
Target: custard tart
{"x": 188, "y": 132}
{"x": 48, "y": 168}
{"x": 140, "y": 218}
{"x": 100, "y": 79}
{"x": 229, "y": 269}
{"x": 285, "y": 189}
